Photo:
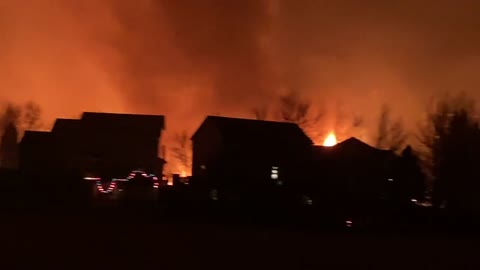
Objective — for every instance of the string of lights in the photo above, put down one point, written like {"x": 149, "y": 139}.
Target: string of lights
{"x": 113, "y": 183}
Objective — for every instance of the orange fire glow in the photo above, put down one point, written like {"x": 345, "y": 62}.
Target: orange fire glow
{"x": 331, "y": 140}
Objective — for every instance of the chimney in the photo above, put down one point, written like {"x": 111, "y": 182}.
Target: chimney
{"x": 176, "y": 179}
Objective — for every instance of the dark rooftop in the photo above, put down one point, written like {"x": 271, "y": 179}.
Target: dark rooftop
{"x": 116, "y": 121}
{"x": 258, "y": 129}
{"x": 351, "y": 147}
{"x": 66, "y": 125}
{"x": 36, "y": 137}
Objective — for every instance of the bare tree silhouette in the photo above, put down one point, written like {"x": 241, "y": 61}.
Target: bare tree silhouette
{"x": 390, "y": 132}
{"x": 10, "y": 115}
{"x": 9, "y": 147}
{"x": 451, "y": 138}
{"x": 31, "y": 117}
{"x": 26, "y": 117}
{"x": 260, "y": 112}
{"x": 293, "y": 108}
{"x": 182, "y": 151}
{"x": 347, "y": 124}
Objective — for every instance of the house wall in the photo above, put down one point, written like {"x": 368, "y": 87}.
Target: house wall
{"x": 207, "y": 149}
{"x": 93, "y": 147}
{"x": 119, "y": 153}
{"x": 36, "y": 157}
{"x": 343, "y": 178}
{"x": 254, "y": 162}
{"x": 246, "y": 165}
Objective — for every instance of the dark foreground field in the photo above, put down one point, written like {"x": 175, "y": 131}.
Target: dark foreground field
{"x": 39, "y": 241}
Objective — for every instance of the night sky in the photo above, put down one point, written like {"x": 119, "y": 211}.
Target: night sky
{"x": 189, "y": 58}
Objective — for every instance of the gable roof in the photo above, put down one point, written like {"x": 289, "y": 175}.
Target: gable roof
{"x": 127, "y": 122}
{"x": 352, "y": 148}
{"x": 355, "y": 144}
{"x": 240, "y": 128}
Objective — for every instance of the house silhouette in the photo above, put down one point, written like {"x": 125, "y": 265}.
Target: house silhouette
{"x": 106, "y": 144}
{"x": 238, "y": 158}
{"x": 351, "y": 170}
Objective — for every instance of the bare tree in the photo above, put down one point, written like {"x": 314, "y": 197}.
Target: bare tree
{"x": 295, "y": 109}
{"x": 31, "y": 116}
{"x": 390, "y": 132}
{"x": 9, "y": 147}
{"x": 10, "y": 115}
{"x": 292, "y": 108}
{"x": 346, "y": 123}
{"x": 182, "y": 151}
{"x": 451, "y": 137}
{"x": 260, "y": 112}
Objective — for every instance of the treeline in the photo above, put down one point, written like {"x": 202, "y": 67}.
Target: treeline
{"x": 14, "y": 120}
{"x": 450, "y": 140}
{"x": 447, "y": 142}
{"x": 446, "y": 145}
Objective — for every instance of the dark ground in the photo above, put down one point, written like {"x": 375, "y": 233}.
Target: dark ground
{"x": 46, "y": 241}
{"x": 191, "y": 239}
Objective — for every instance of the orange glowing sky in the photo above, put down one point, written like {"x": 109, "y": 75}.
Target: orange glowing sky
{"x": 189, "y": 58}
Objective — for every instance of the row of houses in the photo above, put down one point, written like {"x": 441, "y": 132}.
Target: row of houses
{"x": 237, "y": 157}
{"x": 232, "y": 158}
{"x": 102, "y": 144}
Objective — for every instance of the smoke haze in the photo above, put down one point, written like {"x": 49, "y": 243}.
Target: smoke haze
{"x": 189, "y": 58}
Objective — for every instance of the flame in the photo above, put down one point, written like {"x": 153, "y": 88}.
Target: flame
{"x": 331, "y": 140}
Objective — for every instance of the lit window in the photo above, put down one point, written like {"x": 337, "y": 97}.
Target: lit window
{"x": 307, "y": 200}
{"x": 274, "y": 173}
{"x": 214, "y": 194}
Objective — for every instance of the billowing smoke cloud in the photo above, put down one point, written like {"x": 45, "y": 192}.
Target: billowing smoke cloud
{"x": 188, "y": 58}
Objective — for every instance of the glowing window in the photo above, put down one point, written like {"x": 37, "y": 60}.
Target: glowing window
{"x": 274, "y": 173}
{"x": 214, "y": 194}
{"x": 307, "y": 200}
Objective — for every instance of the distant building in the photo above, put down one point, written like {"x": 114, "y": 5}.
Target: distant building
{"x": 235, "y": 157}
{"x": 104, "y": 144}
{"x": 409, "y": 171}
{"x": 352, "y": 171}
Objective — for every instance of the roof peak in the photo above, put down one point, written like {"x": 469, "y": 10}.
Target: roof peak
{"x": 249, "y": 119}
{"x": 121, "y": 114}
